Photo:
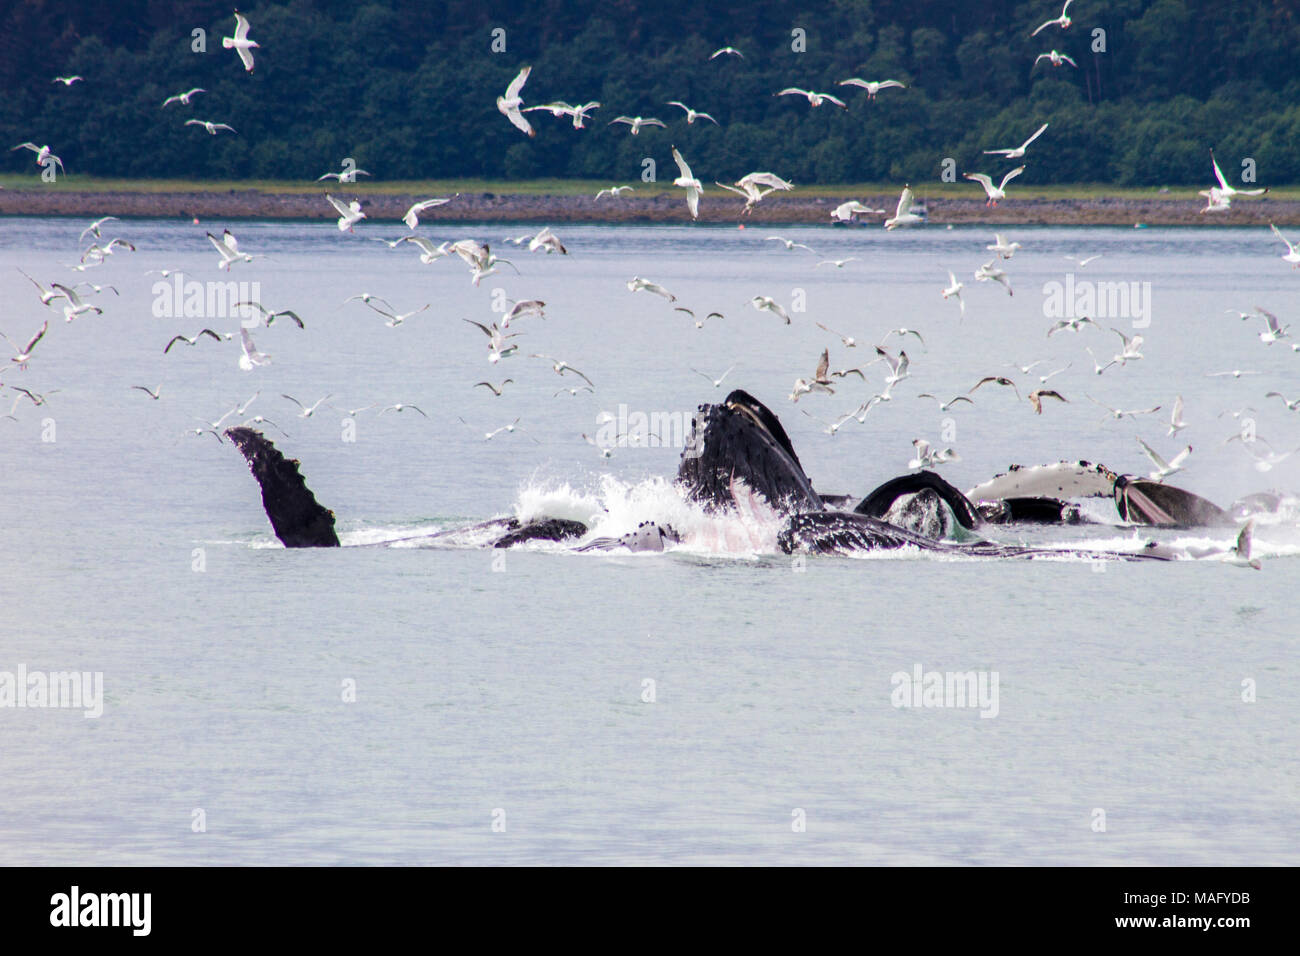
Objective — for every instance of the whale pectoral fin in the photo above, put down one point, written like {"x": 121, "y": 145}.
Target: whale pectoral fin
{"x": 540, "y": 529}
{"x": 299, "y": 521}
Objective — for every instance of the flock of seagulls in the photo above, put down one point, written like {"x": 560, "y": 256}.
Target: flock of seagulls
{"x": 824, "y": 380}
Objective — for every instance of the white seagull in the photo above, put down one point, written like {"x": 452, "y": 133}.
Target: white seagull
{"x": 1055, "y": 58}
{"x": 510, "y": 103}
{"x": 240, "y": 42}
{"x": 349, "y": 215}
{"x": 693, "y": 115}
{"x": 1063, "y": 21}
{"x": 1003, "y": 248}
{"x": 765, "y": 303}
{"x": 872, "y": 86}
{"x": 1164, "y": 468}
{"x": 250, "y": 356}
{"x": 183, "y": 98}
{"x": 412, "y": 216}
{"x": 1292, "y": 256}
{"x": 210, "y": 126}
{"x": 954, "y": 289}
{"x": 636, "y": 122}
{"x": 814, "y": 99}
{"x": 995, "y": 192}
{"x": 1019, "y": 150}
{"x": 637, "y": 284}
{"x": 1225, "y": 191}
{"x": 903, "y": 215}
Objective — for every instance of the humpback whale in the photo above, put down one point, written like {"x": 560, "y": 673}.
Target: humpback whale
{"x": 739, "y": 460}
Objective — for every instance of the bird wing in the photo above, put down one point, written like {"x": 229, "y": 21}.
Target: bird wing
{"x": 681, "y": 164}
{"x": 982, "y": 179}
{"x": 1011, "y": 175}
{"x": 517, "y": 84}
{"x": 1026, "y": 143}
{"x": 241, "y": 26}
{"x": 823, "y": 364}
{"x": 1218, "y": 173}
{"x": 904, "y": 201}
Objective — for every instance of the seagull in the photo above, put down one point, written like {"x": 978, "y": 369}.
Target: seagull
{"x": 155, "y": 393}
{"x": 394, "y": 320}
{"x": 1290, "y": 405}
{"x": 903, "y": 215}
{"x": 693, "y": 115}
{"x": 270, "y": 316}
{"x": 1042, "y": 379}
{"x": 47, "y": 295}
{"x": 1266, "y": 461}
{"x": 848, "y": 340}
{"x": 38, "y": 398}
{"x": 614, "y": 191}
{"x": 1235, "y": 373}
{"x": 1226, "y": 191}
{"x": 399, "y": 407}
{"x": 989, "y": 272}
{"x": 1018, "y": 151}
{"x": 43, "y": 154}
{"x": 995, "y": 192}
{"x": 75, "y": 306}
{"x": 1063, "y": 21}
{"x": 522, "y": 309}
{"x": 306, "y": 411}
{"x": 814, "y": 99}
{"x": 1176, "y": 423}
{"x": 1003, "y": 248}
{"x": 191, "y": 341}
{"x": 1132, "y": 347}
{"x": 67, "y": 80}
{"x": 1164, "y": 468}
{"x": 250, "y": 356}
{"x": 1119, "y": 414}
{"x": 790, "y": 244}
{"x": 728, "y": 50}
{"x": 824, "y": 373}
{"x": 717, "y": 382}
{"x": 228, "y": 247}
{"x": 837, "y": 263}
{"x": 1037, "y": 395}
{"x": 926, "y": 457}
{"x": 24, "y": 354}
{"x": 1083, "y": 262}
{"x": 354, "y": 412}
{"x": 429, "y": 253}
{"x": 494, "y": 389}
{"x": 182, "y": 98}
{"x": 637, "y": 284}
{"x": 845, "y": 211}
{"x": 636, "y": 122}
{"x": 1055, "y": 58}
{"x": 945, "y": 406}
{"x": 1239, "y": 556}
{"x": 560, "y": 366}
{"x": 1097, "y": 366}
{"x": 412, "y": 216}
{"x": 209, "y": 125}
{"x": 1073, "y": 325}
{"x": 510, "y": 103}
{"x": 897, "y": 368}
{"x": 349, "y": 215}
{"x": 803, "y": 387}
{"x": 547, "y": 241}
{"x": 240, "y": 42}
{"x": 902, "y": 333}
{"x": 872, "y": 86}
{"x": 577, "y": 113}
{"x": 768, "y": 304}
{"x": 1292, "y": 255}
{"x": 496, "y": 340}
{"x": 954, "y": 289}
{"x": 573, "y": 391}
{"x": 345, "y": 176}
{"x": 1026, "y": 369}
{"x": 93, "y": 228}
{"x": 1274, "y": 331}
{"x": 366, "y": 297}
{"x": 751, "y": 187}
{"x": 997, "y": 380}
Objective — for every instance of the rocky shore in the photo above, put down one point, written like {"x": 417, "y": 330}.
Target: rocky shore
{"x": 663, "y": 207}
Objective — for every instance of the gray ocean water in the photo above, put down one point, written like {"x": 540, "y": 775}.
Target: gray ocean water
{"x": 412, "y": 705}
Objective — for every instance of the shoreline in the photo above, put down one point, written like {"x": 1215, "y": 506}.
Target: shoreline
{"x": 659, "y": 208}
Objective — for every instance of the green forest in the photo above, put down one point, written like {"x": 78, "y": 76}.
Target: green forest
{"x": 408, "y": 89}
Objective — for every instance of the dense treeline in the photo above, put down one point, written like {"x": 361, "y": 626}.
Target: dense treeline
{"x": 408, "y": 88}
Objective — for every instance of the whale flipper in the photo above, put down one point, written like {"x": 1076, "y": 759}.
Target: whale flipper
{"x": 299, "y": 521}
